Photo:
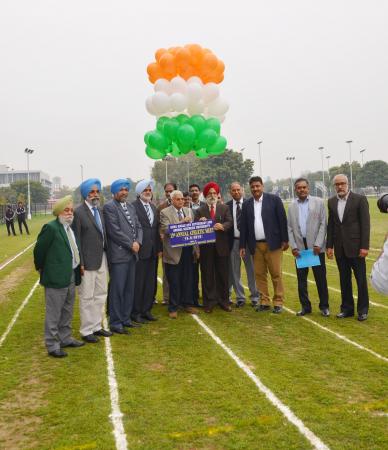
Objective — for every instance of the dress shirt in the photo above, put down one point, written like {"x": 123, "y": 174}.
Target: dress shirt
{"x": 150, "y": 213}
{"x": 236, "y": 230}
{"x": 341, "y": 206}
{"x": 303, "y": 207}
{"x": 379, "y": 275}
{"x": 195, "y": 206}
{"x": 99, "y": 215}
{"x": 75, "y": 262}
{"x": 259, "y": 227}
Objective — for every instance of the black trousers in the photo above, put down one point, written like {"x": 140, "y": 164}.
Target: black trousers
{"x": 180, "y": 281}
{"x": 345, "y": 266}
{"x": 144, "y": 286}
{"x": 215, "y": 277}
{"x": 321, "y": 282}
{"x": 23, "y": 222}
{"x": 10, "y": 226}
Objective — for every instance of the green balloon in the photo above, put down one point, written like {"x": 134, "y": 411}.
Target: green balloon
{"x": 218, "y": 147}
{"x": 201, "y": 153}
{"x": 157, "y": 140}
{"x": 182, "y": 118}
{"x": 146, "y": 137}
{"x": 186, "y": 135}
{"x": 160, "y": 123}
{"x": 154, "y": 153}
{"x": 198, "y": 123}
{"x": 207, "y": 138}
{"x": 175, "y": 150}
{"x": 170, "y": 129}
{"x": 214, "y": 124}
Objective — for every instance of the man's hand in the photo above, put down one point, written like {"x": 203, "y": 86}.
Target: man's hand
{"x": 82, "y": 270}
{"x": 242, "y": 252}
{"x": 187, "y": 219}
{"x": 218, "y": 227}
{"x": 316, "y": 250}
{"x": 363, "y": 253}
{"x": 202, "y": 219}
{"x": 295, "y": 252}
{"x": 284, "y": 246}
{"x": 135, "y": 247}
{"x": 330, "y": 253}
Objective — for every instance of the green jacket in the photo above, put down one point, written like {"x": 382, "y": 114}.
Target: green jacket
{"x": 53, "y": 257}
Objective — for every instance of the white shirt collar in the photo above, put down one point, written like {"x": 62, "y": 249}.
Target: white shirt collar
{"x": 260, "y": 199}
{"x": 241, "y": 201}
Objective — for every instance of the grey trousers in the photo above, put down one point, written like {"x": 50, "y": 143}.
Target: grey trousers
{"x": 235, "y": 274}
{"x": 59, "y": 314}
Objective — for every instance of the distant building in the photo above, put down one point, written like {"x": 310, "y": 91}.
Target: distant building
{"x": 57, "y": 184}
{"x": 8, "y": 176}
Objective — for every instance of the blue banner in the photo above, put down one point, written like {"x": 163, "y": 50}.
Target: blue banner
{"x": 191, "y": 233}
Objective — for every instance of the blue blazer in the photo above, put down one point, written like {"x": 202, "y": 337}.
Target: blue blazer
{"x": 274, "y": 221}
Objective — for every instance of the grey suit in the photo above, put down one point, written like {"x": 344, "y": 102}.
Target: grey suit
{"x": 121, "y": 235}
{"x": 315, "y": 237}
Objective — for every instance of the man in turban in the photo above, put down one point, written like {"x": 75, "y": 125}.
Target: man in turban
{"x": 89, "y": 228}
{"x": 56, "y": 257}
{"x": 214, "y": 257}
{"x": 145, "y": 277}
{"x": 125, "y": 237}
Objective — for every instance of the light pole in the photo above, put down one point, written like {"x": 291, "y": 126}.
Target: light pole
{"x": 291, "y": 158}
{"x": 350, "y": 164}
{"x": 28, "y": 152}
{"x": 323, "y": 172}
{"x": 328, "y": 171}
{"x": 82, "y": 173}
{"x": 362, "y": 156}
{"x": 260, "y": 169}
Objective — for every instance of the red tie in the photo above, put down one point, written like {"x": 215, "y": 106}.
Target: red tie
{"x": 212, "y": 212}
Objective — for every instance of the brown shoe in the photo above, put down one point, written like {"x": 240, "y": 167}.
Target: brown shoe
{"x": 173, "y": 315}
{"x": 191, "y": 310}
{"x": 226, "y": 308}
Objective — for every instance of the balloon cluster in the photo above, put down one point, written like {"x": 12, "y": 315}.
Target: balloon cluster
{"x": 187, "y": 103}
{"x": 181, "y": 134}
{"x": 186, "y": 61}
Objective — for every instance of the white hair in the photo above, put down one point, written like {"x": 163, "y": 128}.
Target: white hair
{"x": 175, "y": 193}
{"x": 341, "y": 175}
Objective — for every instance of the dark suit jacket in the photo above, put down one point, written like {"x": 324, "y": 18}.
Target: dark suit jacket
{"x": 274, "y": 222}
{"x": 120, "y": 234}
{"x": 152, "y": 243}
{"x": 53, "y": 257}
{"x": 353, "y": 233}
{"x": 89, "y": 236}
{"x": 224, "y": 217}
{"x": 231, "y": 230}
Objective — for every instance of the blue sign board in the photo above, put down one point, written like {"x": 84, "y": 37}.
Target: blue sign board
{"x": 191, "y": 233}
{"x": 307, "y": 259}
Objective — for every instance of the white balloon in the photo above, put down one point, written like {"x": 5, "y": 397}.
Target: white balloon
{"x": 196, "y": 108}
{"x": 178, "y": 84}
{"x": 210, "y": 92}
{"x": 194, "y": 80}
{"x": 194, "y": 92}
{"x": 218, "y": 107}
{"x": 178, "y": 102}
{"x": 162, "y": 85}
{"x": 149, "y": 106}
{"x": 161, "y": 102}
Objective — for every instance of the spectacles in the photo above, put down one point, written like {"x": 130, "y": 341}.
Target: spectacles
{"x": 342, "y": 183}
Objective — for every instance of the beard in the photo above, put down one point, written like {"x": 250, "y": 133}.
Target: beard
{"x": 66, "y": 220}
{"x": 211, "y": 201}
{"x": 146, "y": 198}
{"x": 94, "y": 201}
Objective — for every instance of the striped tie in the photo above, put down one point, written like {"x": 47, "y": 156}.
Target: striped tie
{"x": 147, "y": 208}
{"x": 73, "y": 246}
{"x": 124, "y": 205}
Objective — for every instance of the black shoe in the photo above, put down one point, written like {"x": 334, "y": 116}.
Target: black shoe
{"x": 90, "y": 339}
{"x": 148, "y": 316}
{"x": 362, "y": 317}
{"x": 132, "y": 325}
{"x": 102, "y": 332}
{"x": 138, "y": 319}
{"x": 343, "y": 315}
{"x": 325, "y": 312}
{"x": 303, "y": 312}
{"x": 57, "y": 353}
{"x": 262, "y": 308}
{"x": 240, "y": 304}
{"x": 277, "y": 309}
{"x": 254, "y": 304}
{"x": 119, "y": 330}
{"x": 74, "y": 343}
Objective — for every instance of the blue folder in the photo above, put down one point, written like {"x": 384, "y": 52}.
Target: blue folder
{"x": 307, "y": 259}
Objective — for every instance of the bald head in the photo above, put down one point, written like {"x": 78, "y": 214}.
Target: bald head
{"x": 236, "y": 191}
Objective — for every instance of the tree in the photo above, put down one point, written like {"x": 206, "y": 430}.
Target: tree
{"x": 345, "y": 169}
{"x": 39, "y": 193}
{"x": 373, "y": 173}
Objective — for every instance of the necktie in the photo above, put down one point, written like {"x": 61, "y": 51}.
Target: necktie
{"x": 238, "y": 215}
{"x": 147, "y": 208}
{"x": 97, "y": 217}
{"x": 212, "y": 212}
{"x": 73, "y": 246}
{"x": 124, "y": 205}
{"x": 180, "y": 214}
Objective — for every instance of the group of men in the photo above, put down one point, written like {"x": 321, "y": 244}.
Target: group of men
{"x": 20, "y": 214}
{"x": 123, "y": 241}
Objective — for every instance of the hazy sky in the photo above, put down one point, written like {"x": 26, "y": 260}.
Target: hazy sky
{"x": 299, "y": 74}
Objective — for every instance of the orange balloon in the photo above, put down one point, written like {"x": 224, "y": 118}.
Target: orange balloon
{"x": 152, "y": 68}
{"x": 187, "y": 71}
{"x": 159, "y": 53}
{"x": 167, "y": 61}
{"x": 220, "y": 66}
{"x": 182, "y": 55}
{"x": 210, "y": 61}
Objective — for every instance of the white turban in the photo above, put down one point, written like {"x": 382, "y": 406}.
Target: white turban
{"x": 143, "y": 184}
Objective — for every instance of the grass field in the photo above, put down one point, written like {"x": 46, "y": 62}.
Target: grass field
{"x": 179, "y": 388}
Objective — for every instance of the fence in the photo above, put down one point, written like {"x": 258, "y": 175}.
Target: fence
{"x": 37, "y": 209}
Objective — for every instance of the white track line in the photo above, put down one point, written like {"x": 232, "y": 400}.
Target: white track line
{"x": 380, "y": 305}
{"x": 116, "y": 414}
{"x": 17, "y": 313}
{"x": 16, "y": 256}
{"x": 286, "y": 411}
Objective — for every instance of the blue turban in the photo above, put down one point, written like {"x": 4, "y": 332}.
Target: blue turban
{"x": 118, "y": 184}
{"x": 141, "y": 185}
{"x": 87, "y": 186}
